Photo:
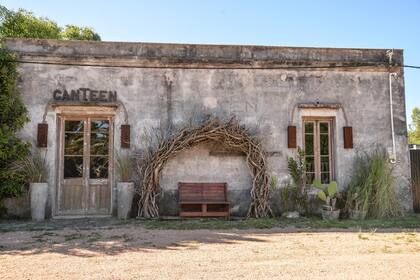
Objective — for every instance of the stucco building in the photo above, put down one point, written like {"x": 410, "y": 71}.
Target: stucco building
{"x": 335, "y": 102}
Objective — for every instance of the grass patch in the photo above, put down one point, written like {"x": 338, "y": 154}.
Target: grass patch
{"x": 407, "y": 222}
{"x": 410, "y": 221}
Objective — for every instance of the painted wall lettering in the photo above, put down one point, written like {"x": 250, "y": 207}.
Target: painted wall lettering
{"x": 85, "y": 95}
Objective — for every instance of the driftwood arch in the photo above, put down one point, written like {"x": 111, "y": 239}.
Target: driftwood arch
{"x": 231, "y": 135}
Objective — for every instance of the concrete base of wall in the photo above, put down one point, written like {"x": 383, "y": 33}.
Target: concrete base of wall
{"x": 17, "y": 207}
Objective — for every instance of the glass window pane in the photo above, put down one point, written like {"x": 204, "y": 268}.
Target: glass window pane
{"x": 73, "y": 143}
{"x": 73, "y": 126}
{"x": 309, "y": 127}
{"x": 325, "y": 164}
{"x": 98, "y": 167}
{"x": 99, "y": 126}
{"x": 323, "y": 127}
{"x": 325, "y": 178}
{"x": 310, "y": 164}
{"x": 309, "y": 145}
{"x": 310, "y": 178}
{"x": 324, "y": 145}
{"x": 73, "y": 167}
{"x": 99, "y": 144}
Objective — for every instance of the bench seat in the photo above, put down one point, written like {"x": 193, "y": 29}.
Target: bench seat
{"x": 203, "y": 200}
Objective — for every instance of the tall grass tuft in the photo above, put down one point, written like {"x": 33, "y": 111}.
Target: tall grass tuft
{"x": 124, "y": 167}
{"x": 371, "y": 188}
{"x": 33, "y": 168}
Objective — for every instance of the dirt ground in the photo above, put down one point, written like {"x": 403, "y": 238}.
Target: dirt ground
{"x": 138, "y": 253}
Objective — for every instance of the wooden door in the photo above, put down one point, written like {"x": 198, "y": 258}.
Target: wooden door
{"x": 415, "y": 177}
{"x": 85, "y": 166}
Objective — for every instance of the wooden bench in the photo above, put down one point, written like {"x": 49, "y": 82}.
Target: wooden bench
{"x": 203, "y": 200}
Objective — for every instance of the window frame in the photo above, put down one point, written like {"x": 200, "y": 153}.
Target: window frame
{"x": 316, "y": 140}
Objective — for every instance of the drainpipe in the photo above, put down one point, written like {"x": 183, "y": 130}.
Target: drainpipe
{"x": 393, "y": 158}
{"x": 389, "y": 54}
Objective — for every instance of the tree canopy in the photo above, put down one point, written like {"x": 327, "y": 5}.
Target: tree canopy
{"x": 13, "y": 116}
{"x": 24, "y": 24}
{"x": 414, "y": 127}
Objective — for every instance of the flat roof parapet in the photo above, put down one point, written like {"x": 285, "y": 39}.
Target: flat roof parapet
{"x": 158, "y": 55}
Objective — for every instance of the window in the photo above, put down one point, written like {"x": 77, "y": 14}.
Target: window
{"x": 317, "y": 135}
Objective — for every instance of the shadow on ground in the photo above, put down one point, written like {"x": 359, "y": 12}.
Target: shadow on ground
{"x": 93, "y": 237}
{"x": 108, "y": 236}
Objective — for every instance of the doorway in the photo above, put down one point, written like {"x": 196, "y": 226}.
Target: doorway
{"x": 85, "y": 165}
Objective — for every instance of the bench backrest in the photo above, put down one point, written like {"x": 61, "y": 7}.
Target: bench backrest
{"x": 202, "y": 192}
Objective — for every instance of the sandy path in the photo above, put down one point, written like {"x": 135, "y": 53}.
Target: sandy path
{"x": 137, "y": 253}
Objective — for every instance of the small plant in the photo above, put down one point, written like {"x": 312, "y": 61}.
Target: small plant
{"x": 297, "y": 169}
{"x": 296, "y": 193}
{"x": 328, "y": 194}
{"x": 124, "y": 168}
{"x": 32, "y": 168}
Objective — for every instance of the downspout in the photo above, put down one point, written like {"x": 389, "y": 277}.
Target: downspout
{"x": 393, "y": 157}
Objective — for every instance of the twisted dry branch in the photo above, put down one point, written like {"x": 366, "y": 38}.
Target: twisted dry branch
{"x": 231, "y": 135}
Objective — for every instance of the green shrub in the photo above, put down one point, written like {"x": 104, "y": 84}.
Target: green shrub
{"x": 371, "y": 188}
{"x": 295, "y": 196}
{"x": 13, "y": 116}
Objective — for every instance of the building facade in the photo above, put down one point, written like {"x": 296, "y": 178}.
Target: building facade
{"x": 84, "y": 95}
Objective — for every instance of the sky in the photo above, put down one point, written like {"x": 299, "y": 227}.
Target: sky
{"x": 320, "y": 23}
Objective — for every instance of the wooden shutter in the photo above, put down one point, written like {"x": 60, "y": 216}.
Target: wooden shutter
{"x": 291, "y": 137}
{"x": 42, "y": 136}
{"x": 125, "y": 136}
{"x": 348, "y": 137}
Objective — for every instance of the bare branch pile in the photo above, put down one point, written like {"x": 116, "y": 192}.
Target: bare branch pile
{"x": 230, "y": 134}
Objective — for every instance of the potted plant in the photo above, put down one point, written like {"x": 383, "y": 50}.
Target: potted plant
{"x": 355, "y": 205}
{"x": 33, "y": 169}
{"x": 328, "y": 194}
{"x": 125, "y": 186}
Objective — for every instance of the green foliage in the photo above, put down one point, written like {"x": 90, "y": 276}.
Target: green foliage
{"x": 414, "y": 127}
{"x": 13, "y": 116}
{"x": 328, "y": 193}
{"x": 32, "y": 168}
{"x": 24, "y": 24}
{"x": 292, "y": 199}
{"x": 297, "y": 169}
{"x": 73, "y": 32}
{"x": 371, "y": 188}
{"x": 297, "y": 192}
{"x": 125, "y": 166}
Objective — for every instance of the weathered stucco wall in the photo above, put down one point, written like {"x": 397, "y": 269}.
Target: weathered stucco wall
{"x": 160, "y": 91}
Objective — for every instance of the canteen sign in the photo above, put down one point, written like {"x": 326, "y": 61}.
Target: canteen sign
{"x": 85, "y": 95}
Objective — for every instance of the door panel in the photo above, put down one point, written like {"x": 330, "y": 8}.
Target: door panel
{"x": 85, "y": 169}
{"x": 72, "y": 193}
{"x": 99, "y": 197}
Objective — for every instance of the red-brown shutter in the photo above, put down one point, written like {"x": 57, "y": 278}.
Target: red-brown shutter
{"x": 42, "y": 136}
{"x": 291, "y": 137}
{"x": 348, "y": 137}
{"x": 125, "y": 136}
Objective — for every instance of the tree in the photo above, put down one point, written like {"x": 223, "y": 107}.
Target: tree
{"x": 13, "y": 116}
{"x": 24, "y": 24}
{"x": 414, "y": 127}
{"x": 73, "y": 32}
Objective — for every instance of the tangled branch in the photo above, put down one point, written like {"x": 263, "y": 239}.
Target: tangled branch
{"x": 230, "y": 134}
